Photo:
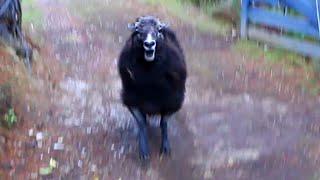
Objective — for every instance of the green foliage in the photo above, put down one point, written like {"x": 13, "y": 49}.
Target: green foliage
{"x": 31, "y": 13}
{"x": 183, "y": 10}
{"x": 10, "y": 118}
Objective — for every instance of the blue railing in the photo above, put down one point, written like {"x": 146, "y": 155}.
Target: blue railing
{"x": 272, "y": 14}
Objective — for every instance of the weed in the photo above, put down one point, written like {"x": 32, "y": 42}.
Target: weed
{"x": 10, "y": 118}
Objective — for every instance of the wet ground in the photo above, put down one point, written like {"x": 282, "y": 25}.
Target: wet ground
{"x": 239, "y": 120}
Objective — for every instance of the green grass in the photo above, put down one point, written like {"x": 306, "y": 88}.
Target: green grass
{"x": 252, "y": 50}
{"x": 249, "y": 48}
{"x": 31, "y": 13}
{"x": 289, "y": 60}
{"x": 185, "y": 12}
{"x": 272, "y": 55}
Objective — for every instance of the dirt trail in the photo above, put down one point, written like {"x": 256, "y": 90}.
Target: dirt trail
{"x": 235, "y": 124}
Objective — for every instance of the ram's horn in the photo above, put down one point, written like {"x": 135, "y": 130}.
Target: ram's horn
{"x": 162, "y": 25}
{"x": 133, "y": 26}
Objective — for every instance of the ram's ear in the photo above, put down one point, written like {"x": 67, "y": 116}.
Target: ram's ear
{"x": 162, "y": 26}
{"x": 132, "y": 26}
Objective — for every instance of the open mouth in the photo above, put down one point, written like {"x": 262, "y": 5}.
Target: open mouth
{"x": 149, "y": 55}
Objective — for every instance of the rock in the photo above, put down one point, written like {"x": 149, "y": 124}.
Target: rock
{"x": 2, "y": 140}
{"x": 39, "y": 143}
{"x": 58, "y": 146}
{"x": 93, "y": 168}
{"x": 233, "y": 33}
{"x": 60, "y": 140}
{"x": 83, "y": 152}
{"x": 53, "y": 163}
{"x": 39, "y": 136}
{"x": 89, "y": 130}
{"x": 247, "y": 98}
{"x": 80, "y": 163}
{"x": 32, "y": 144}
{"x": 6, "y": 166}
{"x": 1, "y": 149}
{"x": 208, "y": 174}
{"x": 34, "y": 176}
{"x": 65, "y": 169}
{"x": 31, "y": 131}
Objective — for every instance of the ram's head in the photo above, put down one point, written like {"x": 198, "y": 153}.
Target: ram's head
{"x": 147, "y": 32}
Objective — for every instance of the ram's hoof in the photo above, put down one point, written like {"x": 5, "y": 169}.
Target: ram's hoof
{"x": 144, "y": 157}
{"x": 144, "y": 147}
{"x": 165, "y": 149}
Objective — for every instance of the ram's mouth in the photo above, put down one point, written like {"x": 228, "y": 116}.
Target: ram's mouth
{"x": 149, "y": 55}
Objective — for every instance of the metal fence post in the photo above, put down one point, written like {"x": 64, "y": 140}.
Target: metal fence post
{"x": 318, "y": 15}
{"x": 244, "y": 18}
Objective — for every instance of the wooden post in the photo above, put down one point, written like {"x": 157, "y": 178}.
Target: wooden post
{"x": 244, "y": 18}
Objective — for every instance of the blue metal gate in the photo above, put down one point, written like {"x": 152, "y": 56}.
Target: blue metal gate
{"x": 304, "y": 19}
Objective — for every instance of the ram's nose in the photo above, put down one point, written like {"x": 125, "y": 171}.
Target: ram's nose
{"x": 149, "y": 45}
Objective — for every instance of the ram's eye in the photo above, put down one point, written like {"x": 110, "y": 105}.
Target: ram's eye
{"x": 160, "y": 35}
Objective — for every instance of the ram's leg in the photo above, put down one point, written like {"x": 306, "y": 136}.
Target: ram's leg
{"x": 18, "y": 43}
{"x": 23, "y": 49}
{"x": 142, "y": 135}
{"x": 165, "y": 145}
{"x": 6, "y": 36}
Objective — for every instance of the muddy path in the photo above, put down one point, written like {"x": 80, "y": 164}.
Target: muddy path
{"x": 237, "y": 122}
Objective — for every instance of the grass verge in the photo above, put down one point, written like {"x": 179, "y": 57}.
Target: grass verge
{"x": 31, "y": 14}
{"x": 290, "y": 61}
{"x": 190, "y": 15}
{"x": 272, "y": 55}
